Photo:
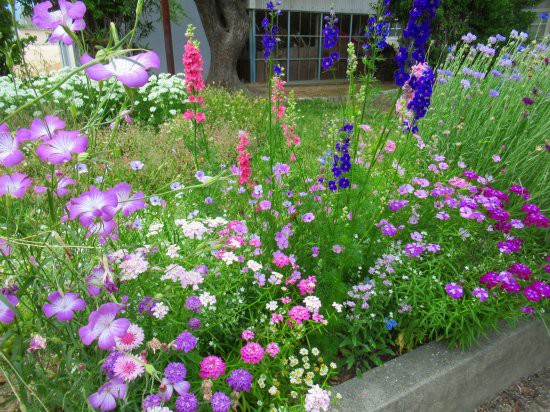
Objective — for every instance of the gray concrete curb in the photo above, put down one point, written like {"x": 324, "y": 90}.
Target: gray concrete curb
{"x": 434, "y": 378}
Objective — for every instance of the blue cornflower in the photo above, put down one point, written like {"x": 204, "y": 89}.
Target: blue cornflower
{"x": 327, "y": 63}
{"x": 544, "y": 16}
{"x": 277, "y": 70}
{"x": 390, "y": 324}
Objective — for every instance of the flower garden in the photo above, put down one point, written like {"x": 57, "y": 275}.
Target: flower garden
{"x": 167, "y": 246}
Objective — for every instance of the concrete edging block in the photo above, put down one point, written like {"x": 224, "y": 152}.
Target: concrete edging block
{"x": 434, "y": 378}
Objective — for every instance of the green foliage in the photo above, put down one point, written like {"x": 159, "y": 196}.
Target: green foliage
{"x": 482, "y": 18}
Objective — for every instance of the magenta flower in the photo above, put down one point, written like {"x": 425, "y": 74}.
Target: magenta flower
{"x": 60, "y": 149}
{"x": 130, "y": 71}
{"x": 128, "y": 203}
{"x": 103, "y": 326}
{"x": 212, "y": 367}
{"x": 105, "y": 398}
{"x": 7, "y": 315}
{"x": 41, "y": 129}
{"x": 10, "y": 155}
{"x": 15, "y": 185}
{"x": 92, "y": 205}
{"x": 69, "y": 15}
{"x": 63, "y": 306}
{"x": 252, "y": 353}
{"x": 454, "y": 290}
{"x": 481, "y": 294}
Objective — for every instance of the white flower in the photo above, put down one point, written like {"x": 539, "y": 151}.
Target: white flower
{"x": 229, "y": 258}
{"x": 272, "y": 306}
{"x": 254, "y": 266}
{"x": 337, "y": 306}
{"x": 313, "y": 303}
{"x": 160, "y": 310}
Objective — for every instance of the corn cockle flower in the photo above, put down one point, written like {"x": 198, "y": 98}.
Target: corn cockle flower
{"x": 92, "y": 205}
{"x": 63, "y": 306}
{"x": 128, "y": 203}
{"x": 7, "y": 315}
{"x": 103, "y": 326}
{"x": 69, "y": 15}
{"x": 130, "y": 71}
{"x": 105, "y": 398}
{"x": 10, "y": 155}
{"x": 14, "y": 185}
{"x": 41, "y": 129}
{"x": 60, "y": 149}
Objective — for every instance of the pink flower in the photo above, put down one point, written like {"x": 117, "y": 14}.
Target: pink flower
{"x": 247, "y": 334}
{"x": 103, "y": 326}
{"x": 454, "y": 290}
{"x": 189, "y": 115}
{"x": 69, "y": 15}
{"x": 200, "y": 117}
{"x": 7, "y": 315}
{"x": 37, "y": 343}
{"x": 10, "y": 155}
{"x": 131, "y": 339}
{"x": 272, "y": 349}
{"x": 212, "y": 367}
{"x": 14, "y": 185}
{"x": 299, "y": 314}
{"x": 252, "y": 353}
{"x": 5, "y": 249}
{"x": 130, "y": 71}
{"x": 105, "y": 398}
{"x": 41, "y": 129}
{"x": 192, "y": 62}
{"x": 390, "y": 146}
{"x": 127, "y": 368}
{"x": 60, "y": 149}
{"x": 94, "y": 204}
{"x": 128, "y": 203}
{"x": 63, "y": 306}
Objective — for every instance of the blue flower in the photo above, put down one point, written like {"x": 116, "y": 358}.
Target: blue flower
{"x": 390, "y": 324}
{"x": 544, "y": 16}
{"x": 277, "y": 70}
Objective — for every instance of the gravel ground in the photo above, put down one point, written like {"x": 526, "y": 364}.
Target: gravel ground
{"x": 531, "y": 394}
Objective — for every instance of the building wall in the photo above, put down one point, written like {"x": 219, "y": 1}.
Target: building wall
{"x": 155, "y": 40}
{"x": 321, "y": 6}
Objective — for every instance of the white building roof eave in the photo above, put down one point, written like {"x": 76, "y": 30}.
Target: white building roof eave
{"x": 319, "y": 6}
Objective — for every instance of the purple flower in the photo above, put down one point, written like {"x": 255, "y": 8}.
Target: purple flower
{"x": 130, "y": 71}
{"x": 69, "y": 15}
{"x": 194, "y": 323}
{"x": 105, "y": 398}
{"x": 480, "y": 293}
{"x": 60, "y": 149}
{"x": 454, "y": 290}
{"x": 308, "y": 217}
{"x": 186, "y": 342}
{"x": 414, "y": 249}
{"x": 220, "y": 402}
{"x": 103, "y": 326}
{"x": 136, "y": 165}
{"x": 63, "y": 306}
{"x": 10, "y": 155}
{"x": 193, "y": 303}
{"x": 7, "y": 315}
{"x": 240, "y": 380}
{"x": 92, "y": 205}
{"x": 41, "y": 129}
{"x": 181, "y": 387}
{"x": 151, "y": 401}
{"x": 175, "y": 372}
{"x": 187, "y": 403}
{"x": 14, "y": 185}
{"x": 128, "y": 203}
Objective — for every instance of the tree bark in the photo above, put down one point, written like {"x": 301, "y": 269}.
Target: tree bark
{"x": 226, "y": 24}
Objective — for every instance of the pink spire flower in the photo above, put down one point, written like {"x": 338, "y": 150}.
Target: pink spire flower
{"x": 103, "y": 326}
{"x": 130, "y": 71}
{"x": 7, "y": 315}
{"x": 60, "y": 149}
{"x": 14, "y": 185}
{"x": 128, "y": 203}
{"x": 69, "y": 14}
{"x": 192, "y": 64}
{"x": 41, "y": 129}
{"x": 92, "y": 205}
{"x": 10, "y": 155}
{"x": 105, "y": 398}
{"x": 63, "y": 306}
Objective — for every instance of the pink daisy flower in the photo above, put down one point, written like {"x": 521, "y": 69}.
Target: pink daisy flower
{"x": 131, "y": 339}
{"x": 127, "y": 368}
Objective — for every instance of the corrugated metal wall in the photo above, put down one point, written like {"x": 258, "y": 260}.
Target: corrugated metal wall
{"x": 322, "y": 6}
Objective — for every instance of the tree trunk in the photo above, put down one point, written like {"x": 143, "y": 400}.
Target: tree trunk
{"x": 226, "y": 24}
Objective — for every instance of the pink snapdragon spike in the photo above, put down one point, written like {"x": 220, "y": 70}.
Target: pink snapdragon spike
{"x": 63, "y": 306}
{"x": 60, "y": 149}
{"x": 10, "y": 155}
{"x": 69, "y": 14}
{"x": 128, "y": 203}
{"x": 7, "y": 315}
{"x": 105, "y": 397}
{"x": 41, "y": 129}
{"x": 14, "y": 185}
{"x": 95, "y": 204}
{"x": 103, "y": 326}
{"x": 130, "y": 71}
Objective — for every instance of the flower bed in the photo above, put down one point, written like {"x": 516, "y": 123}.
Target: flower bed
{"x": 281, "y": 252}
